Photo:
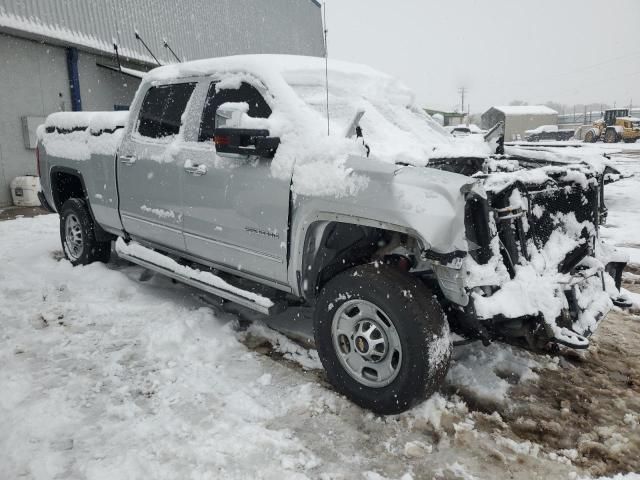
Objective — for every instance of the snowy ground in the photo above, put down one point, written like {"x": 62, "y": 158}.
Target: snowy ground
{"x": 623, "y": 200}
{"x": 106, "y": 376}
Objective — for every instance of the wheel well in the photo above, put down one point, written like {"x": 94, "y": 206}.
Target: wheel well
{"x": 332, "y": 247}
{"x": 65, "y": 185}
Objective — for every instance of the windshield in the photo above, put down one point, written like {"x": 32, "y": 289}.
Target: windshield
{"x": 392, "y": 125}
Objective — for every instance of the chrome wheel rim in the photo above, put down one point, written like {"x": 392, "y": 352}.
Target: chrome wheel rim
{"x": 366, "y": 343}
{"x": 74, "y": 241}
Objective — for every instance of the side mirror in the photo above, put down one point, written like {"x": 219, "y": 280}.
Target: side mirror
{"x": 246, "y": 142}
{"x": 229, "y": 115}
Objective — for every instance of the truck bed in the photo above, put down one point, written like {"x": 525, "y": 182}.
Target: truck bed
{"x": 85, "y": 142}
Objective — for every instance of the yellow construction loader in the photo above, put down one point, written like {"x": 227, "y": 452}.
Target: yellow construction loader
{"x": 616, "y": 125}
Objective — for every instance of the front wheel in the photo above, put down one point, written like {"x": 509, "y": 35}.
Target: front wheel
{"x": 590, "y": 137}
{"x": 77, "y": 233}
{"x": 382, "y": 338}
{"x": 611, "y": 136}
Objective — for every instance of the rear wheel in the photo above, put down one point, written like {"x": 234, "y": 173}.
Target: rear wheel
{"x": 77, "y": 233}
{"x": 590, "y": 137}
{"x": 611, "y": 136}
{"x": 382, "y": 338}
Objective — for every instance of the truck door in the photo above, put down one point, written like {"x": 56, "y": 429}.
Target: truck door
{"x": 235, "y": 212}
{"x": 149, "y": 177}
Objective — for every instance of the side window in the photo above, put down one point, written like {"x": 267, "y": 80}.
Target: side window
{"x": 258, "y": 107}
{"x": 162, "y": 109}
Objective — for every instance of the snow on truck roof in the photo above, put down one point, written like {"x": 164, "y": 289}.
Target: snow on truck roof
{"x": 260, "y": 65}
{"x": 526, "y": 110}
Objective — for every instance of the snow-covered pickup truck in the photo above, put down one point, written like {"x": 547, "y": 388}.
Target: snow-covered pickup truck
{"x": 228, "y": 175}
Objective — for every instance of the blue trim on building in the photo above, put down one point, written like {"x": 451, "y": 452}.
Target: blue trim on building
{"x": 74, "y": 79}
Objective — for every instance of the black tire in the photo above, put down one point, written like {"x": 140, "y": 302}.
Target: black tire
{"x": 84, "y": 249}
{"x": 611, "y": 136}
{"x": 590, "y": 137}
{"x": 421, "y": 326}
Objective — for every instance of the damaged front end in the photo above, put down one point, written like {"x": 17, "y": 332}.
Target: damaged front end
{"x": 537, "y": 272}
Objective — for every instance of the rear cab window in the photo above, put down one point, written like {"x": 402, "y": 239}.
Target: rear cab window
{"x": 162, "y": 109}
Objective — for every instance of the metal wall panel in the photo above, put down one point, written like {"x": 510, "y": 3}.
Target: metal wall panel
{"x": 194, "y": 28}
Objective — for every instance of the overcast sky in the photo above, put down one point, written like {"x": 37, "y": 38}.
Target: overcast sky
{"x": 567, "y": 51}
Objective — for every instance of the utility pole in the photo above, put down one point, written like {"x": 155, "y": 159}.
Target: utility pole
{"x": 462, "y": 91}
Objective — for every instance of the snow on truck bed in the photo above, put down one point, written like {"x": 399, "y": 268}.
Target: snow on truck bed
{"x": 77, "y": 135}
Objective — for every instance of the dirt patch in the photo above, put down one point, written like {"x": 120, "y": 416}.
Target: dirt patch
{"x": 589, "y": 408}
{"x": 10, "y": 213}
{"x": 582, "y": 415}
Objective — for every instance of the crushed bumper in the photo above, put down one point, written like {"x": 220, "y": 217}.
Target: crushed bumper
{"x": 562, "y": 309}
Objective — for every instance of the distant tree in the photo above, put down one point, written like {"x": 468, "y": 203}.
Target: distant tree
{"x": 517, "y": 103}
{"x": 558, "y": 107}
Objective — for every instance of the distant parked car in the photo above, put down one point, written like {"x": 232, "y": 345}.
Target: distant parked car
{"x": 548, "y": 132}
{"x": 464, "y": 130}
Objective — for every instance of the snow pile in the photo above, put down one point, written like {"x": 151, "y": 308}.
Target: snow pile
{"x": 94, "y": 121}
{"x": 539, "y": 286}
{"x": 105, "y": 377}
{"x": 484, "y": 375}
{"x": 78, "y": 135}
{"x": 503, "y": 172}
{"x": 542, "y": 129}
{"x": 623, "y": 225}
{"x": 159, "y": 212}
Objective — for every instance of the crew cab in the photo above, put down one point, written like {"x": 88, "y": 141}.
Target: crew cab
{"x": 244, "y": 177}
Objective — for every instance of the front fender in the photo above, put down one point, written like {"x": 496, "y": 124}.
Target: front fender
{"x": 424, "y": 203}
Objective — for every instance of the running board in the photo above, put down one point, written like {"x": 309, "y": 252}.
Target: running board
{"x": 206, "y": 281}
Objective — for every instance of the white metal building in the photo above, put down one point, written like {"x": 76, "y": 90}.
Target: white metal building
{"x": 519, "y": 119}
{"x": 59, "y": 54}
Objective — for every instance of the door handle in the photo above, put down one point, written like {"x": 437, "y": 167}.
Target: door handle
{"x": 128, "y": 159}
{"x": 195, "y": 170}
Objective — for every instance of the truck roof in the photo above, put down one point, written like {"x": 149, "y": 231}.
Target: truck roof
{"x": 259, "y": 65}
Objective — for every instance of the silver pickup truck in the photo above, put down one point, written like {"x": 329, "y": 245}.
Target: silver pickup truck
{"x": 244, "y": 177}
